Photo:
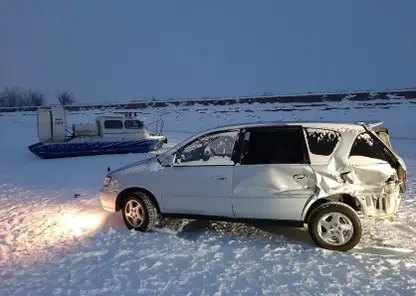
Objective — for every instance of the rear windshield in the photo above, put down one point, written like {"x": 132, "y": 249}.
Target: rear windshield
{"x": 383, "y": 134}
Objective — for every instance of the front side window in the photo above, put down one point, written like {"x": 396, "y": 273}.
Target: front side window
{"x": 212, "y": 149}
{"x": 284, "y": 145}
{"x": 133, "y": 124}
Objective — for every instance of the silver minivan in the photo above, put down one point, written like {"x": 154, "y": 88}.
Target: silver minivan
{"x": 322, "y": 175}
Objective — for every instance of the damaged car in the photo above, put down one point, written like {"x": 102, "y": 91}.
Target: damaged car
{"x": 325, "y": 176}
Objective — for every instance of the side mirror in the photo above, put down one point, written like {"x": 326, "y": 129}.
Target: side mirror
{"x": 168, "y": 161}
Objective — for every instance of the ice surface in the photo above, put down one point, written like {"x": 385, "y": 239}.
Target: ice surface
{"x": 52, "y": 243}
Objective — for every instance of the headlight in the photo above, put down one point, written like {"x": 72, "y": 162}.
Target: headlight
{"x": 107, "y": 181}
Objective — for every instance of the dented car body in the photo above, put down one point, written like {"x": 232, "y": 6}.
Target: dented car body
{"x": 327, "y": 175}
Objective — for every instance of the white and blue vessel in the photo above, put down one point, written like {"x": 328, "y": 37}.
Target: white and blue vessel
{"x": 108, "y": 135}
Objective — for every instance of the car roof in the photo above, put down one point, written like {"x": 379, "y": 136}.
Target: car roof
{"x": 342, "y": 127}
{"x": 313, "y": 124}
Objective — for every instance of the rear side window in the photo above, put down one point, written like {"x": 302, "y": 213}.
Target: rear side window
{"x": 322, "y": 141}
{"x": 274, "y": 146}
{"x": 113, "y": 124}
{"x": 365, "y": 145}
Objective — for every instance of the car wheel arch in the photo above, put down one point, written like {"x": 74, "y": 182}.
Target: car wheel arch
{"x": 347, "y": 199}
{"x": 131, "y": 190}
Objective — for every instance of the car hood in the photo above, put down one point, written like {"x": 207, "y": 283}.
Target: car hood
{"x": 133, "y": 165}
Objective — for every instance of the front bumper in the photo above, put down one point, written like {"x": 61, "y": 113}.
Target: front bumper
{"x": 108, "y": 200}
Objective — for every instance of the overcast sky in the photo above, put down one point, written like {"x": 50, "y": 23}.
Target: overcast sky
{"x": 124, "y": 50}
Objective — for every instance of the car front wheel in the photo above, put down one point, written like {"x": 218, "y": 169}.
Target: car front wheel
{"x": 139, "y": 212}
{"x": 335, "y": 226}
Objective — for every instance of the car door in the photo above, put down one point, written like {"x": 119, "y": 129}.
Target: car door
{"x": 274, "y": 179}
{"x": 200, "y": 180}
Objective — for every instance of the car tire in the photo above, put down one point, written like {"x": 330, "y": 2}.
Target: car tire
{"x": 139, "y": 212}
{"x": 344, "y": 223}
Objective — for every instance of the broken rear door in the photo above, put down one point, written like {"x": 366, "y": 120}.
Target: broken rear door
{"x": 274, "y": 179}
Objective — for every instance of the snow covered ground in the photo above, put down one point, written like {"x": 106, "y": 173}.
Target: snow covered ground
{"x": 54, "y": 244}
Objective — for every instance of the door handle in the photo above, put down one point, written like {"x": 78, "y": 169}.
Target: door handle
{"x": 299, "y": 177}
{"x": 220, "y": 178}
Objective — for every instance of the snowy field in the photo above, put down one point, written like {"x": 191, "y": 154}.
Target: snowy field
{"x": 54, "y": 244}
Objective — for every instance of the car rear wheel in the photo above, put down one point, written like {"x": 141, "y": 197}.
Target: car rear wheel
{"x": 335, "y": 226}
{"x": 139, "y": 212}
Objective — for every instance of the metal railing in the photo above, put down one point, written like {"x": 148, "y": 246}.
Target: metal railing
{"x": 159, "y": 126}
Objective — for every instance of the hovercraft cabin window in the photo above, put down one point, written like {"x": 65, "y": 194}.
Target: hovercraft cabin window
{"x": 133, "y": 124}
{"x": 113, "y": 124}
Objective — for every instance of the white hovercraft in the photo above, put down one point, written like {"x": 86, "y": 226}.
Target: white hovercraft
{"x": 108, "y": 135}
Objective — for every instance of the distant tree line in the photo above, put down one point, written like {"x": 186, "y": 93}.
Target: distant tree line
{"x": 66, "y": 97}
{"x": 17, "y": 97}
